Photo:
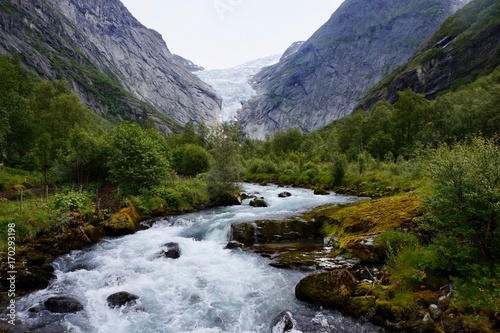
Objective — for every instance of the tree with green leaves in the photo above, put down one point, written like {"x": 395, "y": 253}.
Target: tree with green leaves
{"x": 137, "y": 158}
{"x": 408, "y": 118}
{"x": 16, "y": 117}
{"x": 190, "y": 160}
{"x": 226, "y": 169}
{"x": 465, "y": 196}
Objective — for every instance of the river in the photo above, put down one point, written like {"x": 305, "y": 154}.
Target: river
{"x": 207, "y": 289}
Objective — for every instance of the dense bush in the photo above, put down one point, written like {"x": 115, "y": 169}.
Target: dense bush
{"x": 466, "y": 193}
{"x": 190, "y": 160}
{"x": 137, "y": 158}
{"x": 73, "y": 202}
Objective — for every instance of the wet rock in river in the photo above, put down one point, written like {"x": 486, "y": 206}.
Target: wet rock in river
{"x": 320, "y": 191}
{"x": 120, "y": 299}
{"x": 63, "y": 304}
{"x": 332, "y": 289}
{"x": 32, "y": 278}
{"x": 285, "y": 194}
{"x": 258, "y": 203}
{"x": 269, "y": 231}
{"x": 125, "y": 222}
{"x": 234, "y": 245}
{"x": 283, "y": 323}
{"x": 172, "y": 250}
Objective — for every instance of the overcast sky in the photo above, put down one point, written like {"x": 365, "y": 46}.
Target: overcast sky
{"x": 226, "y": 33}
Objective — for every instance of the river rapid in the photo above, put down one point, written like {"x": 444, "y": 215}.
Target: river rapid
{"x": 207, "y": 289}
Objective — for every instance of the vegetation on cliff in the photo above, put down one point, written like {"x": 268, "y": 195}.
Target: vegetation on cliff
{"x": 63, "y": 166}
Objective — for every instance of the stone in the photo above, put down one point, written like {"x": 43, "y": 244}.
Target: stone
{"x": 227, "y": 199}
{"x": 269, "y": 231}
{"x": 172, "y": 250}
{"x": 35, "y": 259}
{"x": 63, "y": 304}
{"x": 320, "y": 191}
{"x": 332, "y": 289}
{"x": 285, "y": 194}
{"x": 283, "y": 323}
{"x": 435, "y": 311}
{"x": 32, "y": 278}
{"x": 427, "y": 323}
{"x": 234, "y": 245}
{"x": 125, "y": 222}
{"x": 360, "y": 306}
{"x": 93, "y": 233}
{"x": 120, "y": 299}
{"x": 258, "y": 203}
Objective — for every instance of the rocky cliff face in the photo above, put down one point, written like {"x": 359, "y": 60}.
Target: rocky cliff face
{"x": 465, "y": 47}
{"x": 188, "y": 64}
{"x": 328, "y": 75}
{"x": 117, "y": 66}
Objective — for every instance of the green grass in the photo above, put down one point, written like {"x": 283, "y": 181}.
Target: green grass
{"x": 34, "y": 216}
{"x": 10, "y": 177}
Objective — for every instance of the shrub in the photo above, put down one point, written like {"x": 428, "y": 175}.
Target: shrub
{"x": 138, "y": 158}
{"x": 466, "y": 192}
{"x": 391, "y": 242}
{"x": 73, "y": 202}
{"x": 190, "y": 160}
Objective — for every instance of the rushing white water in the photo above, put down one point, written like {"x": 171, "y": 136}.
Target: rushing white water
{"x": 208, "y": 289}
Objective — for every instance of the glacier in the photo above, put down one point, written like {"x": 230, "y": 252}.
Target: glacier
{"x": 234, "y": 84}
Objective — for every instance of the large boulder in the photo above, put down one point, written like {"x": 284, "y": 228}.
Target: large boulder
{"x": 120, "y": 299}
{"x": 94, "y": 234}
{"x": 63, "y": 304}
{"x": 332, "y": 289}
{"x": 226, "y": 199}
{"x": 125, "y": 222}
{"x": 33, "y": 278}
{"x": 258, "y": 203}
{"x": 285, "y": 194}
{"x": 268, "y": 231}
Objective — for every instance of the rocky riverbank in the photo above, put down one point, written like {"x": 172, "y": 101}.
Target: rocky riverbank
{"x": 339, "y": 245}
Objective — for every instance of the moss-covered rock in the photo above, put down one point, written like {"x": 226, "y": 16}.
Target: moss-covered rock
{"x": 258, "y": 203}
{"x": 226, "y": 199}
{"x": 332, "y": 289}
{"x": 357, "y": 226}
{"x": 93, "y": 233}
{"x": 361, "y": 306}
{"x": 320, "y": 191}
{"x": 125, "y": 222}
{"x": 389, "y": 310}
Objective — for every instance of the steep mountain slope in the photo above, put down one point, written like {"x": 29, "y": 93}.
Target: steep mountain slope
{"x": 465, "y": 47}
{"x": 118, "y": 67}
{"x": 233, "y": 84}
{"x": 188, "y": 64}
{"x": 323, "y": 81}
